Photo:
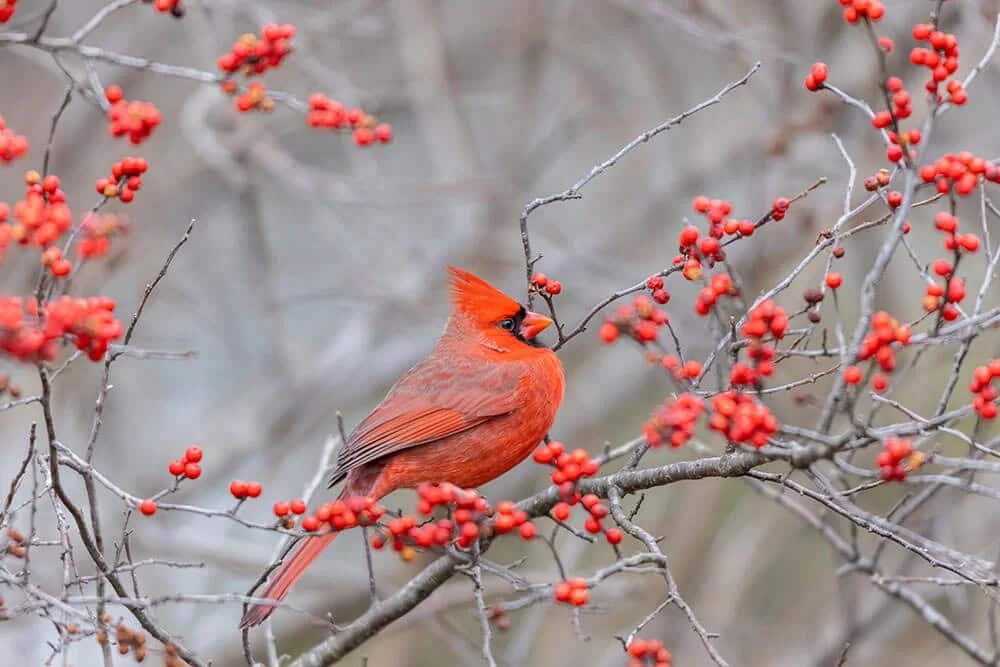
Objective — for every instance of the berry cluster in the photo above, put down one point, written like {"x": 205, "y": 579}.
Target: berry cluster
{"x": 467, "y": 510}
{"x": 96, "y": 231}
{"x": 344, "y": 514}
{"x": 570, "y": 467}
{"x": 941, "y": 59}
{"x": 598, "y": 511}
{"x": 241, "y": 490}
{"x": 642, "y": 321}
{"x": 125, "y": 179}
{"x": 655, "y": 286}
{"x": 53, "y": 260}
{"x": 814, "y": 80}
{"x": 18, "y": 545}
{"x": 42, "y": 216}
{"x": 7, "y": 8}
{"x": 646, "y": 652}
{"x": 135, "y": 119}
{"x": 255, "y": 55}
{"x": 742, "y": 418}
{"x": 709, "y": 249}
{"x": 540, "y": 281}
{"x": 675, "y": 421}
{"x": 855, "y": 10}
{"x": 878, "y": 345}
{"x": 28, "y": 333}
{"x": 255, "y": 97}
{"x": 902, "y": 107}
{"x": 329, "y": 113}
{"x": 721, "y": 284}
{"x": 689, "y": 370}
{"x": 189, "y": 465}
{"x": 768, "y": 317}
{"x": 129, "y": 640}
{"x": 959, "y": 173}
{"x": 12, "y": 145}
{"x": 890, "y": 459}
{"x": 572, "y": 591}
{"x": 986, "y": 394}
{"x": 163, "y": 6}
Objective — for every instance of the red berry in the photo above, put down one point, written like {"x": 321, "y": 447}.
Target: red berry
{"x": 852, "y": 375}
{"x": 553, "y": 287}
{"x": 527, "y": 530}
{"x": 281, "y": 508}
{"x": 614, "y": 535}
{"x": 238, "y": 488}
{"x": 834, "y": 280}
{"x": 819, "y": 72}
{"x": 609, "y": 332}
{"x": 539, "y": 279}
{"x": 176, "y": 468}
{"x": 192, "y": 471}
{"x": 310, "y": 524}
{"x": 383, "y": 133}
{"x": 298, "y": 506}
{"x": 253, "y": 489}
{"x": 193, "y": 454}
{"x": 148, "y": 507}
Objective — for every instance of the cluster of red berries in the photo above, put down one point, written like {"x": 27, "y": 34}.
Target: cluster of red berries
{"x": 986, "y": 394}
{"x": 52, "y": 259}
{"x": 646, "y": 652}
{"x": 255, "y": 97}
{"x": 125, "y": 179}
{"x": 817, "y": 75}
{"x": 256, "y": 55}
{"x": 7, "y": 8}
{"x": 163, "y": 6}
{"x": 656, "y": 290}
{"x": 762, "y": 356}
{"x": 467, "y": 509}
{"x": 855, "y": 10}
{"x": 189, "y": 464}
{"x": 742, "y": 418}
{"x": 768, "y": 317}
{"x": 902, "y": 107}
{"x": 329, "y": 113}
{"x": 675, "y": 421}
{"x": 240, "y": 490}
{"x": 28, "y": 333}
{"x": 344, "y": 514}
{"x": 135, "y": 119}
{"x": 570, "y": 467}
{"x": 941, "y": 59}
{"x": 642, "y": 320}
{"x": 42, "y": 216}
{"x": 959, "y": 173}
{"x": 689, "y": 370}
{"x": 572, "y": 591}
{"x": 96, "y": 231}
{"x": 598, "y": 511}
{"x": 721, "y": 284}
{"x": 540, "y": 281}
{"x": 12, "y": 145}
{"x": 878, "y": 345}
{"x": 890, "y": 459}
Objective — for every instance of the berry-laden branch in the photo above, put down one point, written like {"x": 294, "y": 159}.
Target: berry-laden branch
{"x": 573, "y": 192}
{"x": 868, "y": 442}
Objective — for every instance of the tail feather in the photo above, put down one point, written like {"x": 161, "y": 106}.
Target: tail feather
{"x": 291, "y": 570}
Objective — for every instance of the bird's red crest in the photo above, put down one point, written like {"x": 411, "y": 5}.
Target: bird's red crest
{"x": 477, "y": 298}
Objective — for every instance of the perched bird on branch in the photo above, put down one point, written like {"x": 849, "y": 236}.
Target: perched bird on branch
{"x": 472, "y": 410}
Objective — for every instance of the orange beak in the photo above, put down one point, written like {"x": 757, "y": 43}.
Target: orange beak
{"x": 533, "y": 324}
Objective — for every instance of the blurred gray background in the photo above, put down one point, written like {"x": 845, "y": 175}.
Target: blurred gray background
{"x": 316, "y": 275}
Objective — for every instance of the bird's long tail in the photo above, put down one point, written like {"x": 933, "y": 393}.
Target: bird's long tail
{"x": 291, "y": 570}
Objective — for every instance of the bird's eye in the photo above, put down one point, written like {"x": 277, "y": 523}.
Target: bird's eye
{"x": 507, "y": 324}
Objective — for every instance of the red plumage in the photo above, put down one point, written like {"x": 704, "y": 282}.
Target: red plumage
{"x": 472, "y": 410}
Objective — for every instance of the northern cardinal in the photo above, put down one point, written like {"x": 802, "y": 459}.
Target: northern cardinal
{"x": 472, "y": 410}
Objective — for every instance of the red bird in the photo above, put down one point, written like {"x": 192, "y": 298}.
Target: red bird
{"x": 472, "y": 410}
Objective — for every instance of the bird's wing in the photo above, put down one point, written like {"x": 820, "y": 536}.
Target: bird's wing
{"x": 435, "y": 399}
